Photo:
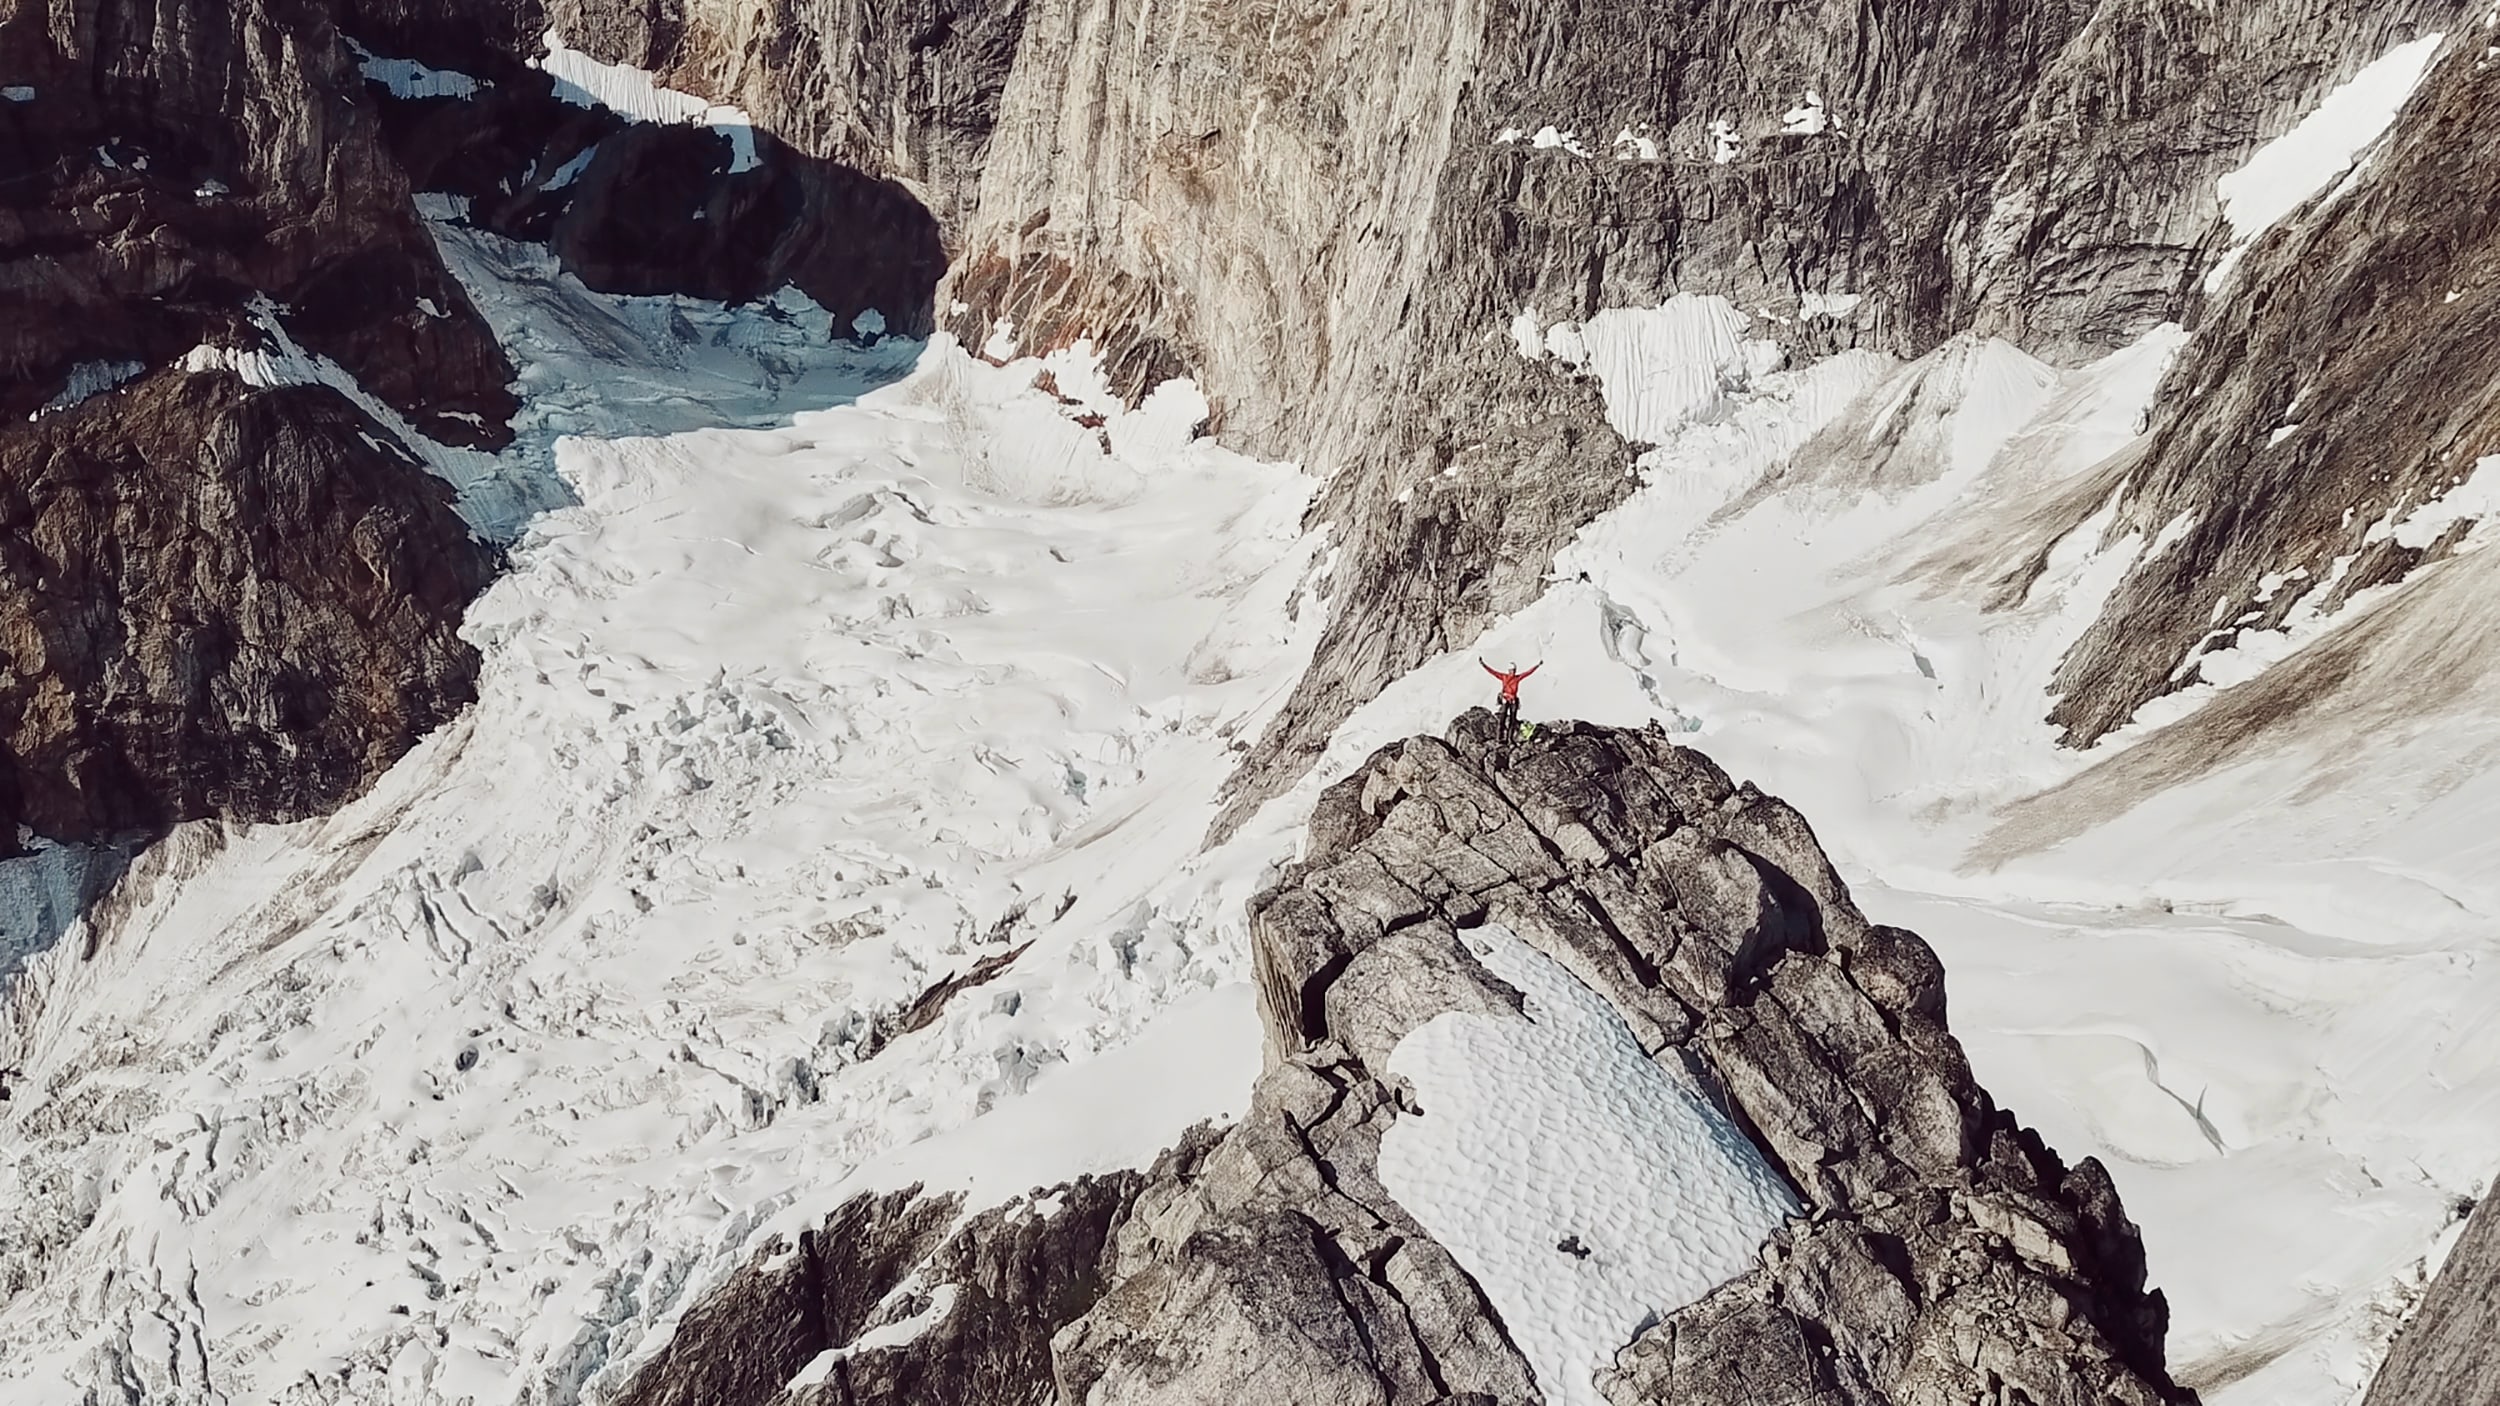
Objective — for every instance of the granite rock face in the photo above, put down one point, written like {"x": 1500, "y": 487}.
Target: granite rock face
{"x": 1329, "y": 215}
{"x": 2338, "y": 382}
{"x": 218, "y": 600}
{"x": 2449, "y": 1355}
{"x": 1945, "y": 1254}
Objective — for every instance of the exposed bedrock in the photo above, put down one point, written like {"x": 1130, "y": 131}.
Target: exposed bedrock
{"x": 175, "y": 162}
{"x": 217, "y": 600}
{"x": 2340, "y": 380}
{"x": 1943, "y": 1253}
{"x": 2449, "y": 1355}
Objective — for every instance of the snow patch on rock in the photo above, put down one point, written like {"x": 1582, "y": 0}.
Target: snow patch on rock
{"x": 2323, "y": 146}
{"x": 636, "y": 94}
{"x": 1585, "y": 1188}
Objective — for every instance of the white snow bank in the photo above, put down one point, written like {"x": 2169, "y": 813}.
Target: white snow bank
{"x": 87, "y": 380}
{"x": 1725, "y": 144}
{"x": 2287, "y": 171}
{"x": 1661, "y": 366}
{"x": 1587, "y": 1191}
{"x": 634, "y": 93}
{"x": 1807, "y": 119}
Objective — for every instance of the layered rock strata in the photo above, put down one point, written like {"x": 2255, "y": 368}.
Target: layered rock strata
{"x": 1944, "y": 1253}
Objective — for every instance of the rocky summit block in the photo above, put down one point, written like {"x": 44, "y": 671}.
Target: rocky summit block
{"x": 1927, "y": 1247}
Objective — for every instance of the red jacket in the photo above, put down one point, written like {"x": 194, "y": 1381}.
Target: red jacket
{"x": 1510, "y": 682}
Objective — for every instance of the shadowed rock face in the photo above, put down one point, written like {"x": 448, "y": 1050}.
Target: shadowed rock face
{"x": 983, "y": 1296}
{"x": 178, "y": 161}
{"x": 216, "y": 600}
{"x": 1947, "y": 1255}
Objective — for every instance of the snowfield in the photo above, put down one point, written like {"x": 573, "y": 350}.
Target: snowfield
{"x": 465, "y": 1093}
{"x": 461, "y": 1093}
{"x": 1550, "y": 1132}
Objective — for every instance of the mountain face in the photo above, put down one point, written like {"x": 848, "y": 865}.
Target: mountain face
{"x": 588, "y": 820}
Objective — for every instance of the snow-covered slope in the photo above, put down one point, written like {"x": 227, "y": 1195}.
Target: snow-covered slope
{"x": 455, "y": 1093}
{"x": 2254, "y": 990}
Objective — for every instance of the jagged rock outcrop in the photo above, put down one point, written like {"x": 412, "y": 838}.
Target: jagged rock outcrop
{"x": 1945, "y": 1254}
{"x": 2449, "y": 1354}
{"x": 171, "y": 163}
{"x": 218, "y": 600}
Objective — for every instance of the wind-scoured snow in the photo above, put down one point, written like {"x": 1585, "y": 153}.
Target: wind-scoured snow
{"x": 1585, "y": 1189}
{"x": 87, "y": 380}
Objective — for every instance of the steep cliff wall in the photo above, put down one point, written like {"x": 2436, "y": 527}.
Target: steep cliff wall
{"x": 219, "y": 599}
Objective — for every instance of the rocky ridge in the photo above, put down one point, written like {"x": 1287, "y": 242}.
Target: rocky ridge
{"x": 1944, "y": 1253}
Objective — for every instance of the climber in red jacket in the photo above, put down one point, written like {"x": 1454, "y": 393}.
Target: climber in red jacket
{"x": 1509, "y": 709}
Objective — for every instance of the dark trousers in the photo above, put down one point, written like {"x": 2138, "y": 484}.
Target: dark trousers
{"x": 1508, "y": 713}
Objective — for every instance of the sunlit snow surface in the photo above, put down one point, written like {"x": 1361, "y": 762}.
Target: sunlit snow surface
{"x": 1586, "y": 1190}
{"x": 464, "y": 1091}
{"x": 467, "y": 1091}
